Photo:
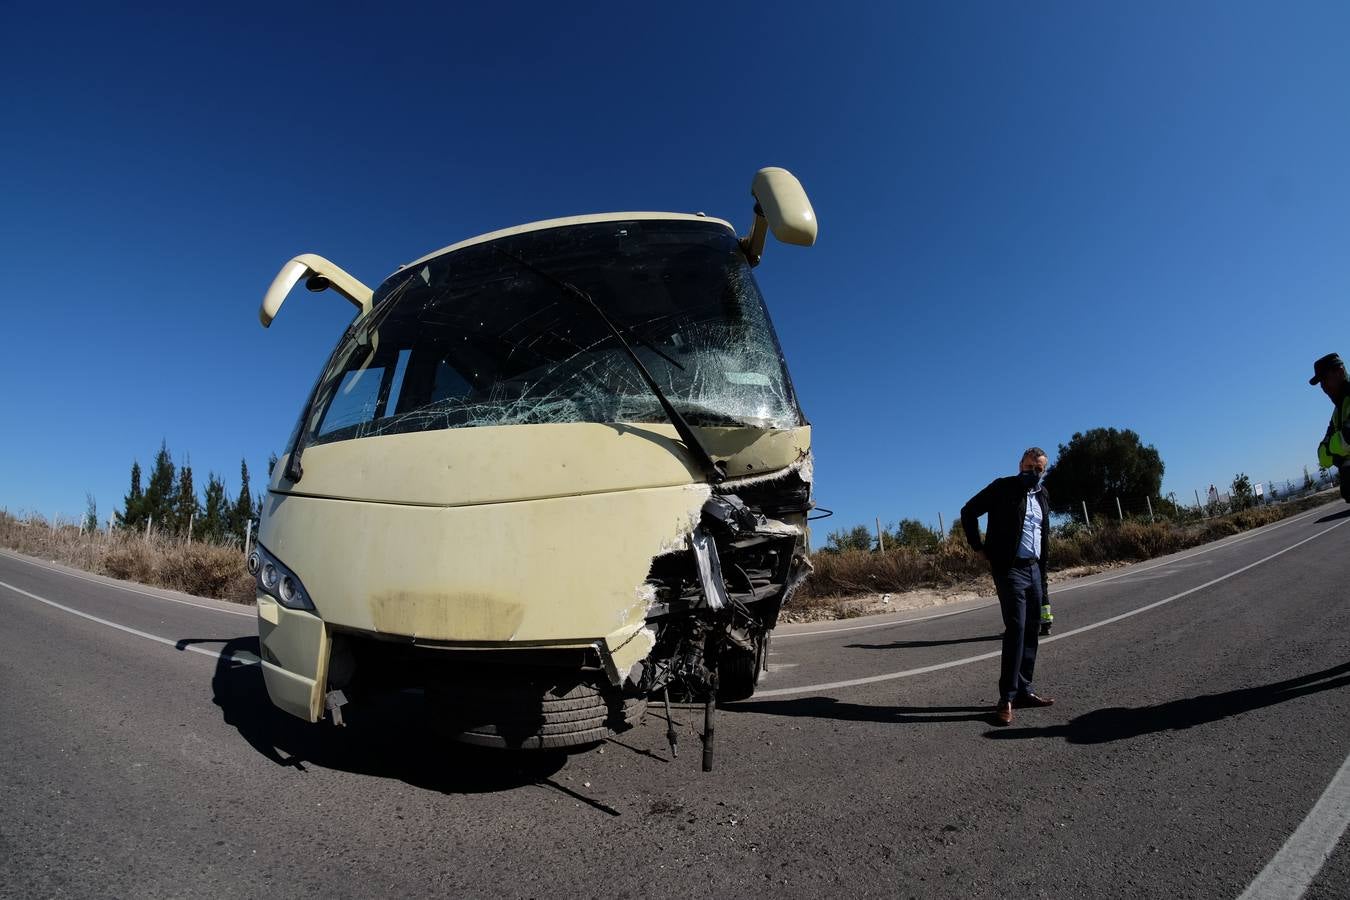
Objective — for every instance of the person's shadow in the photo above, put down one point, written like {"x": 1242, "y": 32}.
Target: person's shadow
{"x": 903, "y": 645}
{"x": 391, "y": 738}
{"x": 830, "y": 708}
{"x": 1121, "y": 723}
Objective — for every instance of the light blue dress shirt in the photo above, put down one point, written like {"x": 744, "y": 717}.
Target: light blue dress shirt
{"x": 1030, "y": 548}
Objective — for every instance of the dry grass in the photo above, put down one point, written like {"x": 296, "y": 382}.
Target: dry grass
{"x": 840, "y": 578}
{"x": 203, "y": 569}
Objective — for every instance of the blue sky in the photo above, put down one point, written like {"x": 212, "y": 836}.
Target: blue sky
{"x": 1035, "y": 218}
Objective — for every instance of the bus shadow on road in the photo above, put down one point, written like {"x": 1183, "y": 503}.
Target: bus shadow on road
{"x": 394, "y": 742}
{"x": 1343, "y": 514}
{"x": 1103, "y": 726}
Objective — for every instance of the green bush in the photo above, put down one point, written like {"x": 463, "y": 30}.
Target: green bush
{"x": 856, "y": 538}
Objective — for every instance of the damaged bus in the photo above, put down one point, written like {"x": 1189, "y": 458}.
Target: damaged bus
{"x": 547, "y": 474}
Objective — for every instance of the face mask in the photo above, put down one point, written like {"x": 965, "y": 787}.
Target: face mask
{"x": 1030, "y": 480}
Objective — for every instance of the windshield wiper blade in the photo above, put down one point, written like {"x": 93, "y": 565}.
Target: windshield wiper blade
{"x": 716, "y": 471}
{"x": 636, "y": 338}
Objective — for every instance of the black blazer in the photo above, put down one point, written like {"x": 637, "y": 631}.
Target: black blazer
{"x": 1005, "y": 501}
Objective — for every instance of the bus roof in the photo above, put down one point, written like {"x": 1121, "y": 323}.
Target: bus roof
{"x": 558, "y": 223}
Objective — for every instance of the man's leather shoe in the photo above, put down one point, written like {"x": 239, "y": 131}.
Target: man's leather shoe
{"x": 1031, "y": 701}
{"x": 1003, "y": 713}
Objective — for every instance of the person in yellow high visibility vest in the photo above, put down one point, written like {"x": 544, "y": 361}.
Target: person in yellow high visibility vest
{"x": 1334, "y": 451}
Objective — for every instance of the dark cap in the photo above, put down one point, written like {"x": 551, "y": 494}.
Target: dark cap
{"x": 1329, "y": 363}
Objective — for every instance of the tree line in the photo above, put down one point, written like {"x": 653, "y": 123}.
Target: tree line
{"x": 1090, "y": 474}
{"x": 908, "y": 533}
{"x": 1092, "y": 468}
{"x": 169, "y": 504}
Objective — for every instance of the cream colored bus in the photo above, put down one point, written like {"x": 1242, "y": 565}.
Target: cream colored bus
{"x": 546, "y": 474}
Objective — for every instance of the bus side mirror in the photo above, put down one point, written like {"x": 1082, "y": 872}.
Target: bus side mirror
{"x": 319, "y": 275}
{"x": 781, "y": 205}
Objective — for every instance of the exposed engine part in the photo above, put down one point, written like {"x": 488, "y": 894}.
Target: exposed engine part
{"x": 709, "y": 570}
{"x": 671, "y": 737}
{"x": 730, "y": 511}
{"x": 710, "y": 707}
{"x": 715, "y": 605}
{"x": 334, "y": 701}
{"x": 709, "y": 711}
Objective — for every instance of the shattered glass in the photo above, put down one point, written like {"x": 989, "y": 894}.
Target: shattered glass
{"x": 474, "y": 338}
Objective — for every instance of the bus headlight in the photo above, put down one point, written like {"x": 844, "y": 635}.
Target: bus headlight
{"x": 277, "y": 581}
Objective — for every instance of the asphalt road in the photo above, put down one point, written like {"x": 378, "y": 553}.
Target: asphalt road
{"x": 1203, "y": 712}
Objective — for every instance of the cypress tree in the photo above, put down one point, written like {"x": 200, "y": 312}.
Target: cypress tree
{"x": 90, "y": 513}
{"x": 216, "y": 512}
{"x": 242, "y": 513}
{"x": 133, "y": 512}
{"x": 159, "y": 493}
{"x": 185, "y": 500}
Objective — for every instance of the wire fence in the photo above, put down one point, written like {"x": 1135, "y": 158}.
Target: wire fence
{"x": 150, "y": 532}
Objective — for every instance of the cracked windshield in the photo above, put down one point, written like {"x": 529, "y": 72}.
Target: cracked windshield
{"x": 487, "y": 335}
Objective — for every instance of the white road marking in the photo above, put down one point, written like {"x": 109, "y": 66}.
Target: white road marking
{"x": 1157, "y": 576}
{"x": 247, "y": 659}
{"x": 123, "y": 587}
{"x": 967, "y": 660}
{"x": 778, "y": 635}
{"x": 1290, "y": 872}
{"x": 1133, "y": 570}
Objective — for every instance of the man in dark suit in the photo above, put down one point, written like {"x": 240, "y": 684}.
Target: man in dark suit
{"x": 1016, "y": 543}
